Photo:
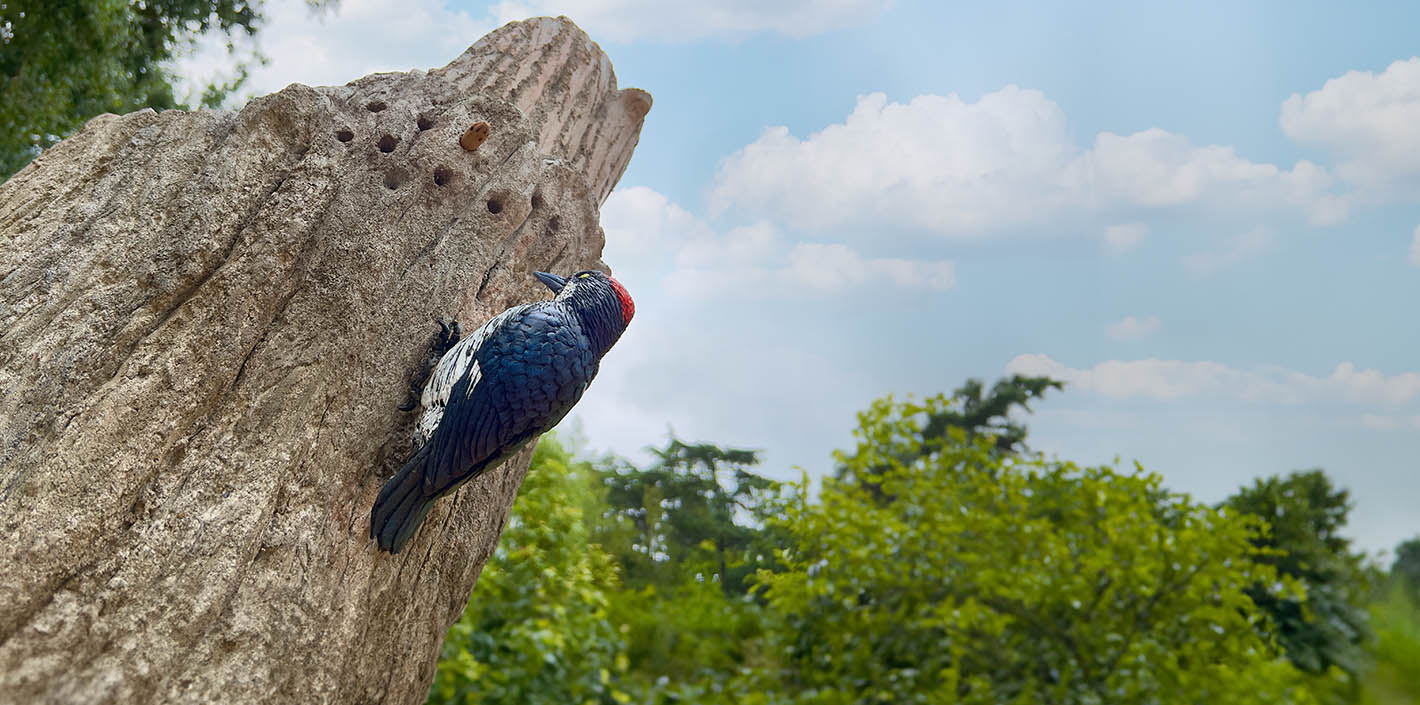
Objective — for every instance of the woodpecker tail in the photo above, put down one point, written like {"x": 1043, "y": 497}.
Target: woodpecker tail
{"x": 401, "y": 506}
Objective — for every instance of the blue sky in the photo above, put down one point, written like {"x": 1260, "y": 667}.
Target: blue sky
{"x": 1203, "y": 217}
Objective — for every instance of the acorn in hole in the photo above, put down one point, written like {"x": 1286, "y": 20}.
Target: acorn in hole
{"x": 474, "y": 135}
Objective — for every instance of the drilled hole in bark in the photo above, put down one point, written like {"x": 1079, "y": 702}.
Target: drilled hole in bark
{"x": 536, "y": 200}
{"x": 394, "y": 178}
{"x": 495, "y": 206}
{"x": 553, "y": 224}
{"x": 443, "y": 175}
{"x": 388, "y": 143}
{"x": 376, "y": 106}
{"x": 425, "y": 122}
{"x": 344, "y": 135}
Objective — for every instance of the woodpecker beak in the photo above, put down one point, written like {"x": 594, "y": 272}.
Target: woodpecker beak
{"x": 553, "y": 282}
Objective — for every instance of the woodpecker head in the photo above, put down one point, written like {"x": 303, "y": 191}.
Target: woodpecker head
{"x": 603, "y": 302}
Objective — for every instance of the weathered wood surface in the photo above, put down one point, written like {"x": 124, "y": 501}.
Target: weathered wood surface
{"x": 207, "y": 321}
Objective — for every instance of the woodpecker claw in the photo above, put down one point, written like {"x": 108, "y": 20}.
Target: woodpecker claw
{"x": 412, "y": 400}
{"x": 449, "y": 334}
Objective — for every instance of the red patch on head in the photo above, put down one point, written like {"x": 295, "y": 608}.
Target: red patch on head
{"x": 628, "y": 307}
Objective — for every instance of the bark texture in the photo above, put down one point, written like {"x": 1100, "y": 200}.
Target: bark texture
{"x": 207, "y": 321}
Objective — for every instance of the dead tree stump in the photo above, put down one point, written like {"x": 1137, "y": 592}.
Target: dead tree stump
{"x": 207, "y": 321}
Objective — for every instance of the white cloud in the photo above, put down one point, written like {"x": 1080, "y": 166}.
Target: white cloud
{"x": 627, "y": 20}
{"x": 638, "y": 217}
{"x": 1149, "y": 379}
{"x": 1130, "y": 328}
{"x": 745, "y": 245}
{"x": 650, "y": 235}
{"x": 827, "y": 267}
{"x": 1242, "y": 247}
{"x": 811, "y": 269}
{"x": 644, "y": 230}
{"x": 936, "y": 163}
{"x": 954, "y": 168}
{"x": 1371, "y": 386}
{"x": 1415, "y": 247}
{"x": 1165, "y": 380}
{"x": 1157, "y": 169}
{"x": 1372, "y": 121}
{"x": 1125, "y": 236}
{"x": 341, "y": 44}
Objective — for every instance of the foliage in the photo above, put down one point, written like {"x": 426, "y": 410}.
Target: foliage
{"x": 551, "y": 622}
{"x": 696, "y": 504}
{"x": 994, "y": 578}
{"x": 1325, "y": 632}
{"x": 1395, "y": 679}
{"x": 1406, "y": 566}
{"x": 689, "y": 643}
{"x": 688, "y": 533}
{"x": 991, "y": 576}
{"x": 972, "y": 411}
{"x": 65, "y": 61}
{"x": 537, "y": 629}
{"x": 978, "y": 413}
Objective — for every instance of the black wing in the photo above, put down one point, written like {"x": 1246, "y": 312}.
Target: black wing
{"x": 531, "y": 372}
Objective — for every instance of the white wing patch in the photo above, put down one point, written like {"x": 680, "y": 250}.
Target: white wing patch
{"x": 453, "y": 366}
{"x": 474, "y": 374}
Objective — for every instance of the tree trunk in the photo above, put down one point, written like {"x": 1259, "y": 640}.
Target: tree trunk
{"x": 207, "y": 321}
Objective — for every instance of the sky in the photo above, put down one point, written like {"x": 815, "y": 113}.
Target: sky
{"x": 1203, "y": 217}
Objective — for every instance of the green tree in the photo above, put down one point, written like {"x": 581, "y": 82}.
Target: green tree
{"x": 65, "y": 61}
{"x": 1395, "y": 678}
{"x": 537, "y": 628}
{"x": 688, "y": 532}
{"x": 1000, "y": 578}
{"x": 978, "y": 412}
{"x": 698, "y": 504}
{"x": 688, "y": 641}
{"x": 971, "y": 410}
{"x": 1406, "y": 566}
{"x": 1328, "y": 628}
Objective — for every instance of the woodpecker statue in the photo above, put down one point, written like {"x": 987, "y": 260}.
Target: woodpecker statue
{"x": 491, "y": 393}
